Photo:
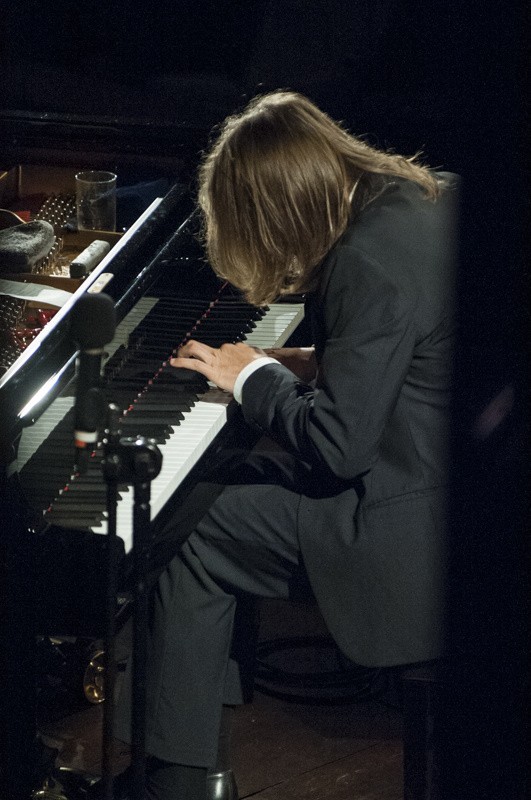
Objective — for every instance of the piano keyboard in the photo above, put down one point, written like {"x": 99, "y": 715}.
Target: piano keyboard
{"x": 184, "y": 414}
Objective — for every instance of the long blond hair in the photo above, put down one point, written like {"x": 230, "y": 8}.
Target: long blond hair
{"x": 278, "y": 188}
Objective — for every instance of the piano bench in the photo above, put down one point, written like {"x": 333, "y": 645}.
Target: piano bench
{"x": 311, "y": 669}
{"x": 420, "y": 690}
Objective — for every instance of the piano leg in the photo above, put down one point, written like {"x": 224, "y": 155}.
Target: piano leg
{"x": 18, "y": 735}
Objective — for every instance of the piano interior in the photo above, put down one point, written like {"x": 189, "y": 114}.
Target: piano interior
{"x": 31, "y": 192}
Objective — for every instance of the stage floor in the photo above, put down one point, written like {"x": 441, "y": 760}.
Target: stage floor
{"x": 282, "y": 749}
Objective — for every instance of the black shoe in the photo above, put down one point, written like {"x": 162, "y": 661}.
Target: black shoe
{"x": 222, "y": 786}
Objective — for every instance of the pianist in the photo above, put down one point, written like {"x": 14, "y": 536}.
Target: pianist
{"x": 352, "y": 494}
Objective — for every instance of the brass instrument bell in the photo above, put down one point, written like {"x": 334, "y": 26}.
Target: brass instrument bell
{"x": 94, "y": 679}
{"x": 51, "y": 790}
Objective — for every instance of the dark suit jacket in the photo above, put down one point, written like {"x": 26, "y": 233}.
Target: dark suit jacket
{"x": 374, "y": 430}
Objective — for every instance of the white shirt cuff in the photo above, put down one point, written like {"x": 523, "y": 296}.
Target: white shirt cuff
{"x": 248, "y": 370}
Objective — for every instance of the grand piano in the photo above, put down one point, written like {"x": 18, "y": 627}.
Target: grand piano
{"x": 54, "y": 521}
{"x": 136, "y": 88}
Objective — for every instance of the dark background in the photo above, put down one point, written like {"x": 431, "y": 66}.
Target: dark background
{"x": 447, "y": 78}
{"x": 408, "y": 74}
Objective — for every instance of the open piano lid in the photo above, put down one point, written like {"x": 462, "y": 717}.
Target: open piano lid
{"x": 121, "y": 76}
{"x": 122, "y": 88}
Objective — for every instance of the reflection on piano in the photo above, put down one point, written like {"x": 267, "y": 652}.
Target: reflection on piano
{"x": 183, "y": 414}
{"x": 164, "y": 293}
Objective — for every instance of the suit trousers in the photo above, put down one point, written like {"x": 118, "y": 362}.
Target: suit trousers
{"x": 245, "y": 545}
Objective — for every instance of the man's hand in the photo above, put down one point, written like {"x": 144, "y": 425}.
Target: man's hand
{"x": 300, "y": 360}
{"x": 221, "y": 365}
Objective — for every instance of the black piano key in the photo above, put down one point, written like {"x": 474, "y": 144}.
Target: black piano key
{"x": 47, "y": 467}
{"x": 142, "y": 365}
{"x": 87, "y": 487}
{"x": 156, "y": 421}
{"x": 173, "y": 317}
{"x": 182, "y": 303}
{"x": 73, "y": 520}
{"x": 228, "y": 317}
{"x": 167, "y": 326}
{"x": 164, "y": 345}
{"x": 174, "y": 385}
{"x": 85, "y": 502}
{"x": 172, "y": 378}
{"x": 153, "y": 396}
{"x": 136, "y": 427}
{"x": 79, "y": 506}
{"x": 89, "y": 516}
{"x": 164, "y": 404}
{"x": 148, "y": 410}
{"x": 131, "y": 380}
{"x": 92, "y": 474}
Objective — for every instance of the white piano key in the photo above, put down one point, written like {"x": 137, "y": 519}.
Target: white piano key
{"x": 35, "y": 435}
{"x": 32, "y": 437}
{"x": 276, "y": 327}
{"x": 200, "y": 426}
{"x": 189, "y": 440}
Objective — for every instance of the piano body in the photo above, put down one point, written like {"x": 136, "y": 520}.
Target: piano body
{"x": 52, "y": 544}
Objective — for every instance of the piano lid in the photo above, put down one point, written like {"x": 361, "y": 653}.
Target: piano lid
{"x": 121, "y": 75}
{"x": 137, "y": 73}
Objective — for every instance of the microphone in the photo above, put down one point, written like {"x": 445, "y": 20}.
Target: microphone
{"x": 92, "y": 325}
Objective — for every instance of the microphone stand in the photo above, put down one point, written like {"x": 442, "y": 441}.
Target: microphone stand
{"x": 136, "y": 461}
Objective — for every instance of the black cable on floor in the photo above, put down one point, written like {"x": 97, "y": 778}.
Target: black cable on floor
{"x": 312, "y": 670}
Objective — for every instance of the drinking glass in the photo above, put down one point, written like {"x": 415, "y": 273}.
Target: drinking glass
{"x": 96, "y": 200}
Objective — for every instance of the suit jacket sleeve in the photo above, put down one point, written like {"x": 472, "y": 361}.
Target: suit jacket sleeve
{"x": 368, "y": 344}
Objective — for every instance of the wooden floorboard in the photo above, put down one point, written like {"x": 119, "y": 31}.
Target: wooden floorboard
{"x": 277, "y": 742}
{"x": 281, "y": 750}
{"x": 370, "y": 774}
